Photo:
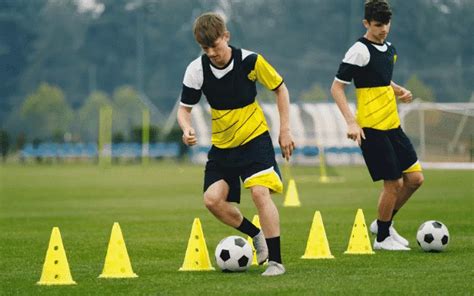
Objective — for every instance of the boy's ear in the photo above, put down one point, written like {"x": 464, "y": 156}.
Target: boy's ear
{"x": 365, "y": 23}
{"x": 227, "y": 36}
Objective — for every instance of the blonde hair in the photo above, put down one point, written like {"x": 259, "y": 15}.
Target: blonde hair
{"x": 209, "y": 27}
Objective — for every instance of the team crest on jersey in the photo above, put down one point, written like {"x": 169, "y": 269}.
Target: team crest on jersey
{"x": 252, "y": 75}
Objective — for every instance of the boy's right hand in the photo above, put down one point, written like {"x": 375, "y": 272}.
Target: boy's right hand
{"x": 355, "y": 132}
{"x": 189, "y": 137}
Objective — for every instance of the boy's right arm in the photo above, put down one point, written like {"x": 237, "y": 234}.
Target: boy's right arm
{"x": 354, "y": 131}
{"x": 184, "y": 121}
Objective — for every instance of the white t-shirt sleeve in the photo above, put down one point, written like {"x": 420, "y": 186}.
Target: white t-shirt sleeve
{"x": 356, "y": 57}
{"x": 193, "y": 77}
{"x": 192, "y": 84}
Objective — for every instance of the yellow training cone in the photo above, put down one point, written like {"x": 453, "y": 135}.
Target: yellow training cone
{"x": 55, "y": 268}
{"x": 323, "y": 176}
{"x": 324, "y": 179}
{"x": 359, "y": 243}
{"x": 291, "y": 197}
{"x": 317, "y": 246}
{"x": 117, "y": 263}
{"x": 256, "y": 222}
{"x": 197, "y": 256}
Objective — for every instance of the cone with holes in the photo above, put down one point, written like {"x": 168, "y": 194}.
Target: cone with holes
{"x": 117, "y": 263}
{"x": 197, "y": 256}
{"x": 359, "y": 242}
{"x": 291, "y": 197}
{"x": 56, "y": 268}
{"x": 317, "y": 246}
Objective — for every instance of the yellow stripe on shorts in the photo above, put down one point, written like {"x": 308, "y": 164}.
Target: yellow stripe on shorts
{"x": 416, "y": 167}
{"x": 267, "y": 178}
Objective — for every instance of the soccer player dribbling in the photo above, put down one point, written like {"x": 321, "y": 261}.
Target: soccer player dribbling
{"x": 388, "y": 153}
{"x": 241, "y": 145}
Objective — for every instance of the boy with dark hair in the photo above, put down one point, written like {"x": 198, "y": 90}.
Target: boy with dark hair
{"x": 388, "y": 153}
{"x": 241, "y": 144}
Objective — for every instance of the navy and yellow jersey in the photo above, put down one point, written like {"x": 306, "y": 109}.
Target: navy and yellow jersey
{"x": 370, "y": 65}
{"x": 237, "y": 117}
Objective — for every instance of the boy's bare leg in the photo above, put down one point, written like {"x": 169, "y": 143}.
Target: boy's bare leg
{"x": 388, "y": 198}
{"x": 215, "y": 199}
{"x": 270, "y": 222}
{"x": 267, "y": 211}
{"x": 411, "y": 182}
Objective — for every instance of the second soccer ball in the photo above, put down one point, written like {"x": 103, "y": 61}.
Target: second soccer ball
{"x": 432, "y": 236}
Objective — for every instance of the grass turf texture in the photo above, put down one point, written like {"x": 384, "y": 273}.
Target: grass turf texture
{"x": 156, "y": 205}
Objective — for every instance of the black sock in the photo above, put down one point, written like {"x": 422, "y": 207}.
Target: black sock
{"x": 393, "y": 214}
{"x": 248, "y": 228}
{"x": 383, "y": 231}
{"x": 274, "y": 253}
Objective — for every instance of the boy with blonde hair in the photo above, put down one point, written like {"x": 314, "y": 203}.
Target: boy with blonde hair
{"x": 241, "y": 145}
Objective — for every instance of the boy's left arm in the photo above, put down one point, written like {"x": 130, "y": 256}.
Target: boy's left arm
{"x": 285, "y": 139}
{"x": 402, "y": 93}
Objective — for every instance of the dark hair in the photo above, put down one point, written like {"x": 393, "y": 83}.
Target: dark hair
{"x": 377, "y": 10}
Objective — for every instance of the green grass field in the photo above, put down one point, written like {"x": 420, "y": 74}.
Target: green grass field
{"x": 156, "y": 205}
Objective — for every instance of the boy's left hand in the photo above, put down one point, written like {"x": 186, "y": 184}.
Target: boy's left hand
{"x": 405, "y": 95}
{"x": 287, "y": 144}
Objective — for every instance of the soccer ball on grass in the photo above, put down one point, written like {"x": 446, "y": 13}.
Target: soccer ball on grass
{"x": 432, "y": 236}
{"x": 234, "y": 253}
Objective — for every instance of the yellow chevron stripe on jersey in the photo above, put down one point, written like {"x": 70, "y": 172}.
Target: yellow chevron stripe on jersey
{"x": 235, "y": 127}
{"x": 377, "y": 108}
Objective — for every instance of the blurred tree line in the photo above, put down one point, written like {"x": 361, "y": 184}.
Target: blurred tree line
{"x": 60, "y": 60}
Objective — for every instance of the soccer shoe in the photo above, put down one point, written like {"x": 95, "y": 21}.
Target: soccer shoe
{"x": 393, "y": 233}
{"x": 389, "y": 244}
{"x": 374, "y": 228}
{"x": 260, "y": 245}
{"x": 274, "y": 268}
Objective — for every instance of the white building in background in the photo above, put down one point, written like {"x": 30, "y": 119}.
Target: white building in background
{"x": 440, "y": 132}
{"x": 314, "y": 127}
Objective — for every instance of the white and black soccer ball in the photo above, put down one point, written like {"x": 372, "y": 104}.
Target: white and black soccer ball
{"x": 234, "y": 253}
{"x": 432, "y": 236}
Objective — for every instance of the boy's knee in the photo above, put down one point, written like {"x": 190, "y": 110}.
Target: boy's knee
{"x": 260, "y": 194}
{"x": 211, "y": 201}
{"x": 393, "y": 186}
{"x": 416, "y": 181}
